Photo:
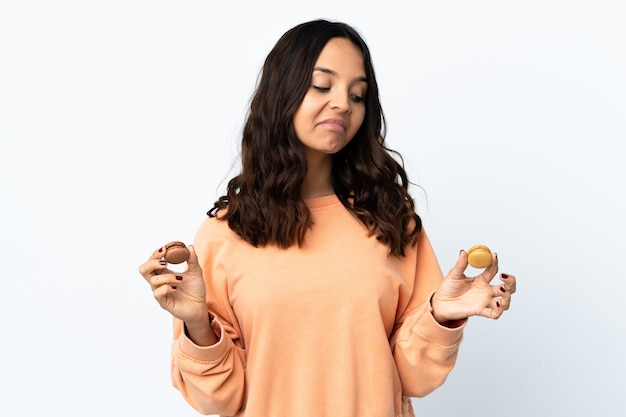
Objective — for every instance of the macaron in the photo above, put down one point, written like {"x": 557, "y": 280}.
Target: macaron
{"x": 176, "y": 252}
{"x": 479, "y": 256}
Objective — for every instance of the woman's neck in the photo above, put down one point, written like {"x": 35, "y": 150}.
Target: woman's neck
{"x": 317, "y": 181}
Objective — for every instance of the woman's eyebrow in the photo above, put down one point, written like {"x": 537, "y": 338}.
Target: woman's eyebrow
{"x": 333, "y": 73}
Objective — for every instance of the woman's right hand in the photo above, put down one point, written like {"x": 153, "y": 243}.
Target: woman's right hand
{"x": 183, "y": 294}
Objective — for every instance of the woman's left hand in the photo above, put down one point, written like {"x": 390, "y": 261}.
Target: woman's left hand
{"x": 459, "y": 297}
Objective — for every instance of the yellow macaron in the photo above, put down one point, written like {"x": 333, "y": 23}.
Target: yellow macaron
{"x": 479, "y": 256}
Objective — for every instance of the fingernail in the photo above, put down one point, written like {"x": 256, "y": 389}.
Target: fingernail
{"x": 498, "y": 304}
{"x": 178, "y": 277}
{"x": 502, "y": 289}
{"x": 174, "y": 287}
{"x": 505, "y": 276}
{"x": 163, "y": 262}
{"x": 161, "y": 249}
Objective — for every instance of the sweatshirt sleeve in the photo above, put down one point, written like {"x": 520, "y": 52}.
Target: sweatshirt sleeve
{"x": 424, "y": 351}
{"x": 211, "y": 378}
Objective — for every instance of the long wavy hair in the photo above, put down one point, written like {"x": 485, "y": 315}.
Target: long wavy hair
{"x": 263, "y": 204}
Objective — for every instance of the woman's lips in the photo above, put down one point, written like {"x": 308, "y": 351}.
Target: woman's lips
{"x": 337, "y": 125}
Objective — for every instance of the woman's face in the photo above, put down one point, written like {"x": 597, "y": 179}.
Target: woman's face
{"x": 333, "y": 108}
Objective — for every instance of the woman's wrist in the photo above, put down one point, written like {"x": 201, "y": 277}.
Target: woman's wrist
{"x": 445, "y": 322}
{"x": 201, "y": 332}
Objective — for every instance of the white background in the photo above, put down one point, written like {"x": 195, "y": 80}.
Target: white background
{"x": 119, "y": 126}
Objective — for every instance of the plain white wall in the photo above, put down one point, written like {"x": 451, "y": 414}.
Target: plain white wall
{"x": 119, "y": 126}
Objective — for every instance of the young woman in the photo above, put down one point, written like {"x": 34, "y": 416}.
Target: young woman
{"x": 311, "y": 289}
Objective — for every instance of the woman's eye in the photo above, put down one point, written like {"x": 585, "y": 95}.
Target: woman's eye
{"x": 356, "y": 98}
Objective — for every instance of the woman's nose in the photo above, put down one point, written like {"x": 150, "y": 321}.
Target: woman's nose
{"x": 340, "y": 100}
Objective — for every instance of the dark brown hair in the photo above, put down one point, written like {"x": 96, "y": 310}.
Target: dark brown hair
{"x": 264, "y": 203}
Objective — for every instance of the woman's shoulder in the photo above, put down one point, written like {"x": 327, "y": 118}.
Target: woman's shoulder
{"x": 214, "y": 236}
{"x": 216, "y": 227}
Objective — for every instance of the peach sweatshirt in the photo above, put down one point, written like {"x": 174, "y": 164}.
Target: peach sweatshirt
{"x": 334, "y": 328}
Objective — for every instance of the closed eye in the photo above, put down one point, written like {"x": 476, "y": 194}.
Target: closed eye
{"x": 356, "y": 98}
